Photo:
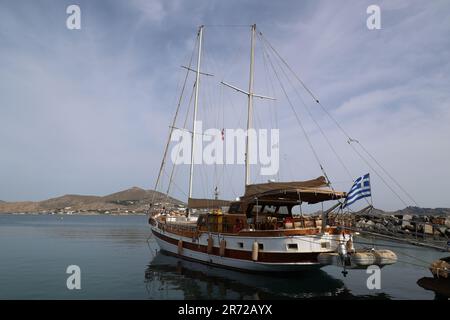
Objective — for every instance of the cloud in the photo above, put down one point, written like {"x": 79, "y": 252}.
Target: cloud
{"x": 87, "y": 111}
{"x": 151, "y": 10}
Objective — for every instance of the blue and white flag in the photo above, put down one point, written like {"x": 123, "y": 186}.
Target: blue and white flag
{"x": 359, "y": 190}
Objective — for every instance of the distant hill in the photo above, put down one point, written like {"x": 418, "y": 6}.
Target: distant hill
{"x": 423, "y": 211}
{"x": 133, "y": 200}
{"x": 136, "y": 200}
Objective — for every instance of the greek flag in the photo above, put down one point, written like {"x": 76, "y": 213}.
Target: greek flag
{"x": 359, "y": 190}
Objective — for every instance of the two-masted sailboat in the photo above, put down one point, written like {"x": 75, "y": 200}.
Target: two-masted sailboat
{"x": 259, "y": 231}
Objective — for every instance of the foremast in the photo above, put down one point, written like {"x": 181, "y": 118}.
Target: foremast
{"x": 250, "y": 106}
{"x": 197, "y": 85}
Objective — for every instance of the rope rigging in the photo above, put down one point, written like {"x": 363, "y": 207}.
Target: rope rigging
{"x": 387, "y": 173}
{"x": 284, "y": 72}
{"x": 272, "y": 103}
{"x": 299, "y": 121}
{"x": 376, "y": 172}
{"x": 349, "y": 139}
{"x": 172, "y": 173}
{"x": 316, "y": 123}
{"x": 174, "y": 120}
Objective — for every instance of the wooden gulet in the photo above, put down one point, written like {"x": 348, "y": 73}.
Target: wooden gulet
{"x": 258, "y": 232}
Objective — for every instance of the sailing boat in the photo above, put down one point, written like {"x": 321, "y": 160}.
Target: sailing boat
{"x": 258, "y": 231}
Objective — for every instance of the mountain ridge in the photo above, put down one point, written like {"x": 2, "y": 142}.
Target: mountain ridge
{"x": 136, "y": 200}
{"x": 132, "y": 200}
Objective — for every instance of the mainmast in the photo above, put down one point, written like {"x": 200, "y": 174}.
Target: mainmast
{"x": 197, "y": 84}
{"x": 250, "y": 107}
{"x": 250, "y": 94}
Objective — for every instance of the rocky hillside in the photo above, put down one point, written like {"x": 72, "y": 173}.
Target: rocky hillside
{"x": 133, "y": 200}
{"x": 417, "y": 211}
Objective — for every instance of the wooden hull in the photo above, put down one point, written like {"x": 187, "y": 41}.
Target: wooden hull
{"x": 271, "y": 258}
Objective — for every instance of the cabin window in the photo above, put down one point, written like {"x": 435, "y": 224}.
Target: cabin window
{"x": 241, "y": 245}
{"x": 257, "y": 209}
{"x": 201, "y": 220}
{"x": 296, "y": 210}
{"x": 292, "y": 246}
{"x": 283, "y": 210}
{"x": 269, "y": 209}
{"x": 325, "y": 245}
{"x": 261, "y": 246}
{"x": 235, "y": 207}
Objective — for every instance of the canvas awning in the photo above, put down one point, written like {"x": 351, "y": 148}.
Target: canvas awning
{"x": 311, "y": 191}
{"x": 255, "y": 189}
{"x": 207, "y": 203}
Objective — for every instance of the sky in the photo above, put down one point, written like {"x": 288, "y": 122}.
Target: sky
{"x": 88, "y": 111}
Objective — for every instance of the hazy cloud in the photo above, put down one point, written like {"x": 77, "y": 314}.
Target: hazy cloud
{"x": 87, "y": 111}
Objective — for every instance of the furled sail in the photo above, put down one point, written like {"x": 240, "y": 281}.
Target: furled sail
{"x": 255, "y": 189}
{"x": 207, "y": 203}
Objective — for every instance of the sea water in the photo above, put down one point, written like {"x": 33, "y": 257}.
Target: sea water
{"x": 118, "y": 259}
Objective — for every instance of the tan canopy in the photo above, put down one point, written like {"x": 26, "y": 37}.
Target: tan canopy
{"x": 207, "y": 203}
{"x": 311, "y": 191}
{"x": 254, "y": 189}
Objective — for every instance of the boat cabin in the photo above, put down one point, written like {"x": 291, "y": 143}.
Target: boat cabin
{"x": 268, "y": 206}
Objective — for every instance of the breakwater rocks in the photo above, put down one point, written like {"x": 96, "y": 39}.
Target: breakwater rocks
{"x": 407, "y": 224}
{"x": 420, "y": 226}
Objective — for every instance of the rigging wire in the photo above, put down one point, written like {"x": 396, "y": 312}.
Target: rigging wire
{"x": 307, "y": 138}
{"x": 222, "y": 178}
{"x": 176, "y": 185}
{"x": 272, "y": 103}
{"x": 180, "y": 100}
{"x": 376, "y": 172}
{"x": 311, "y": 116}
{"x": 172, "y": 173}
{"x": 236, "y": 110}
{"x": 224, "y": 70}
{"x": 317, "y": 124}
{"x": 298, "y": 120}
{"x": 267, "y": 44}
{"x": 316, "y": 100}
{"x": 258, "y": 125}
{"x": 203, "y": 170}
{"x": 387, "y": 173}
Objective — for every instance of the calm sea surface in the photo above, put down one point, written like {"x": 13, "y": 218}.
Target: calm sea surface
{"x": 116, "y": 255}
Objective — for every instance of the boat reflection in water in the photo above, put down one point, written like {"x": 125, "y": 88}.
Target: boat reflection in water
{"x": 440, "y": 288}
{"x": 172, "y": 278}
{"x": 440, "y": 283}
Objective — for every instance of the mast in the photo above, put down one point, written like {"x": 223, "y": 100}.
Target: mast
{"x": 250, "y": 106}
{"x": 250, "y": 94}
{"x": 197, "y": 84}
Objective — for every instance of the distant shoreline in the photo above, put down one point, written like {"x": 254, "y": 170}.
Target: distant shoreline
{"x": 72, "y": 214}
{"x": 133, "y": 201}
